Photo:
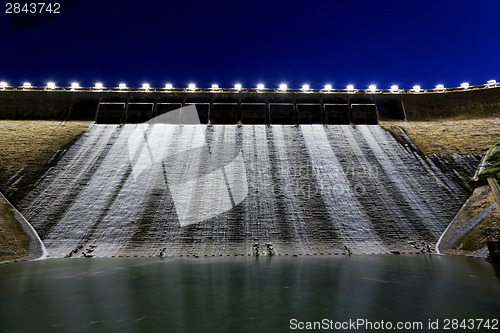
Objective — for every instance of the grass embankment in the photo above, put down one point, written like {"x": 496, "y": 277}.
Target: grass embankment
{"x": 462, "y": 136}
{"x": 26, "y": 147}
{"x": 492, "y": 165}
{"x": 13, "y": 241}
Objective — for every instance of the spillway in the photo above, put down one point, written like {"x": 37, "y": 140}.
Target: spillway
{"x": 220, "y": 190}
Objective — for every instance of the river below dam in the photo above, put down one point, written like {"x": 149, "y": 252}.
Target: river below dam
{"x": 245, "y": 294}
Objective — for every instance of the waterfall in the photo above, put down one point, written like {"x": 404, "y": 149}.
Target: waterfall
{"x": 164, "y": 189}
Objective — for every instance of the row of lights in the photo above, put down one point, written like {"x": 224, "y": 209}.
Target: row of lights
{"x": 372, "y": 88}
{"x": 147, "y": 86}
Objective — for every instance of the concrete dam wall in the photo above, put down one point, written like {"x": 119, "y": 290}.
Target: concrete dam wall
{"x": 129, "y": 188}
{"x": 112, "y": 107}
{"x": 197, "y": 190}
{"x": 248, "y": 106}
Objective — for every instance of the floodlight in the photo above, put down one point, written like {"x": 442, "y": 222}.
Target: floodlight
{"x": 283, "y": 86}
{"x": 372, "y": 88}
{"x": 98, "y": 85}
{"x": 51, "y": 85}
{"x": 169, "y": 86}
{"x": 465, "y": 85}
{"x": 192, "y": 86}
{"x": 491, "y": 82}
{"x": 75, "y": 85}
{"x": 146, "y": 86}
{"x": 328, "y": 87}
{"x": 440, "y": 87}
{"x": 260, "y": 86}
{"x": 237, "y": 86}
{"x": 26, "y": 85}
{"x": 394, "y": 88}
{"x": 350, "y": 87}
{"x": 3, "y": 84}
{"x": 122, "y": 86}
{"x": 215, "y": 86}
{"x": 416, "y": 88}
{"x": 305, "y": 87}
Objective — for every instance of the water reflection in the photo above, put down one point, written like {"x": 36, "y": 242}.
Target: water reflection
{"x": 241, "y": 294}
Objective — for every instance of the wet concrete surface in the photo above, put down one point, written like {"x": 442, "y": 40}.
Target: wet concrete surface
{"x": 312, "y": 190}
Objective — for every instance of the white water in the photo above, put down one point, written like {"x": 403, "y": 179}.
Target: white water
{"x": 306, "y": 190}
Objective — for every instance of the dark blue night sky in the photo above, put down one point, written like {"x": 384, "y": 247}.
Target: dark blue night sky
{"x": 248, "y": 42}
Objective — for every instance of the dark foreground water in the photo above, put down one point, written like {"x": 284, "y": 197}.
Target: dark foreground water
{"x": 245, "y": 294}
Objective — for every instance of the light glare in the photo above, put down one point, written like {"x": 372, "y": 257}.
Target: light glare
{"x": 305, "y": 87}
{"x": 440, "y": 87}
{"x": 169, "y": 86}
{"x": 372, "y": 88}
{"x": 237, "y": 86}
{"x": 51, "y": 85}
{"x": 215, "y": 86}
{"x": 328, "y": 87}
{"x": 350, "y": 87}
{"x": 394, "y": 88}
{"x": 491, "y": 82}
{"x": 465, "y": 85}
{"x": 3, "y": 84}
{"x": 146, "y": 86}
{"x": 283, "y": 86}
{"x": 98, "y": 85}
{"x": 122, "y": 86}
{"x": 416, "y": 88}
{"x": 75, "y": 85}
{"x": 192, "y": 86}
{"x": 26, "y": 85}
{"x": 260, "y": 86}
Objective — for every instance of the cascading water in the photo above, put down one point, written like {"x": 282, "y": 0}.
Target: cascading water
{"x": 221, "y": 190}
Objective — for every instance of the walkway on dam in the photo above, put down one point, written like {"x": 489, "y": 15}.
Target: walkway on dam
{"x": 196, "y": 190}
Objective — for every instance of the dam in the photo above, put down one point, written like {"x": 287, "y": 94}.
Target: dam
{"x": 258, "y": 174}
{"x": 311, "y": 190}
